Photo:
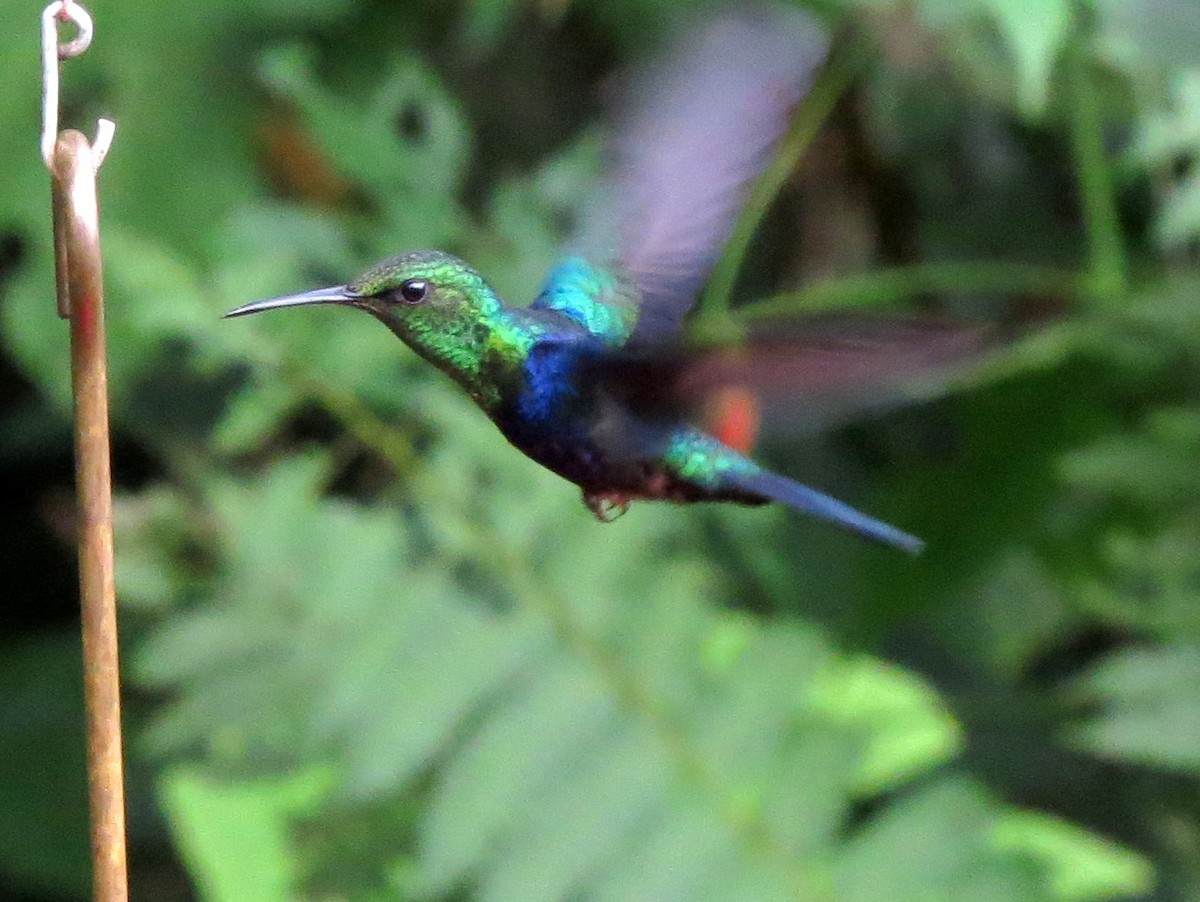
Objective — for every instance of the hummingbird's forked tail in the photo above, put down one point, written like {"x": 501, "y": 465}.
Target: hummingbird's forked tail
{"x": 810, "y": 501}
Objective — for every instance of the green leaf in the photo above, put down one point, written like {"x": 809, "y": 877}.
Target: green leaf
{"x": 910, "y": 729}
{"x": 1084, "y": 867}
{"x": 573, "y": 721}
{"x": 1147, "y": 584}
{"x": 254, "y": 411}
{"x": 155, "y": 567}
{"x": 409, "y": 146}
{"x": 235, "y": 837}
{"x": 1148, "y": 466}
{"x": 1150, "y": 707}
{"x": 484, "y": 22}
{"x": 1035, "y": 33}
{"x": 1150, "y": 35}
{"x": 1166, "y": 134}
{"x": 937, "y": 843}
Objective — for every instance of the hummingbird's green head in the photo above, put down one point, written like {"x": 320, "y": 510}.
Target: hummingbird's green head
{"x": 435, "y": 302}
{"x": 418, "y": 290}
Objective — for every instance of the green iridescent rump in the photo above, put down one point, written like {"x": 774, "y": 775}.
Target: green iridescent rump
{"x": 698, "y": 457}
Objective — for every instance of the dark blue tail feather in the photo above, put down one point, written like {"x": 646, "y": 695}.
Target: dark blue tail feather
{"x": 810, "y": 501}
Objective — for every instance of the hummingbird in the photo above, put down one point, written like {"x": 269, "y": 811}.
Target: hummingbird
{"x": 571, "y": 379}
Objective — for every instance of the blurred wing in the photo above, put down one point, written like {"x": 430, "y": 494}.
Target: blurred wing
{"x": 691, "y": 134}
{"x": 822, "y": 366}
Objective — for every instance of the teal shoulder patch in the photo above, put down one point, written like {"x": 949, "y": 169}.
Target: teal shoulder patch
{"x": 594, "y": 297}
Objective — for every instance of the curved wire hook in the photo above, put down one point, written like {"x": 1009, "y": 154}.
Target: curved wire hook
{"x": 52, "y": 52}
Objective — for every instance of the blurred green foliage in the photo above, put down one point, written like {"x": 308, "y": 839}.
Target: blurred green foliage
{"x": 374, "y": 653}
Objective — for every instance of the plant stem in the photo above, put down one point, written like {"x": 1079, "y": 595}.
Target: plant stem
{"x": 889, "y": 286}
{"x": 713, "y": 305}
{"x": 1108, "y": 267}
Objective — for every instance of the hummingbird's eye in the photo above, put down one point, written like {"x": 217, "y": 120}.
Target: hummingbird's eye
{"x": 413, "y": 291}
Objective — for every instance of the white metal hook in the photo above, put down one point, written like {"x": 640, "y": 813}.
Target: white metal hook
{"x": 52, "y": 52}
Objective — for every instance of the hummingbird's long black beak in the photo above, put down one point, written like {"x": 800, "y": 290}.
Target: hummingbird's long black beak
{"x": 338, "y": 295}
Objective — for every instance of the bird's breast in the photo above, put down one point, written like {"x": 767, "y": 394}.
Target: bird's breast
{"x": 550, "y": 414}
{"x": 550, "y": 390}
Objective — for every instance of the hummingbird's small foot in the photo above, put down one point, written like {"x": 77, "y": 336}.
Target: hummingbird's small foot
{"x": 607, "y": 506}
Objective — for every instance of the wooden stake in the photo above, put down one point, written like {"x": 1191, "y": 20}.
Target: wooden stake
{"x": 81, "y": 297}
